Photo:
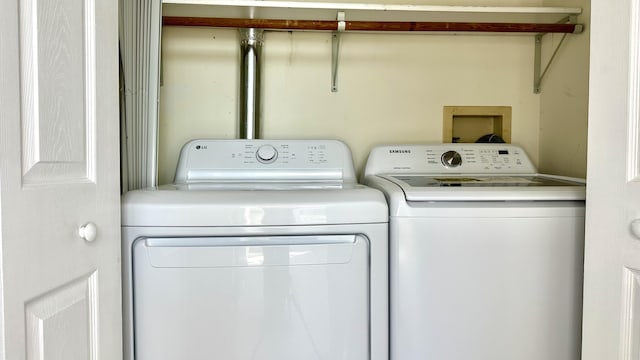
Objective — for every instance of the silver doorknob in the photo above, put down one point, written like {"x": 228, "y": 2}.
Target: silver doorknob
{"x": 88, "y": 231}
{"x": 635, "y": 228}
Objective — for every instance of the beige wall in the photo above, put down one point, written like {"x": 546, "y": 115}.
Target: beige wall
{"x": 391, "y": 88}
{"x": 564, "y": 100}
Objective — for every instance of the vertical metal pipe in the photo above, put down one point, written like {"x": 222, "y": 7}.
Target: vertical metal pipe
{"x": 250, "y": 57}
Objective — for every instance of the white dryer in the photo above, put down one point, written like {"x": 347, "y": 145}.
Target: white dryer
{"x": 486, "y": 255}
{"x": 260, "y": 250}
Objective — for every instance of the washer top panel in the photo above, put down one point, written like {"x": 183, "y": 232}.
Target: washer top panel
{"x": 467, "y": 172}
{"x": 535, "y": 187}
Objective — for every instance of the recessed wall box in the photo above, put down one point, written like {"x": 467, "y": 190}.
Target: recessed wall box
{"x": 466, "y": 124}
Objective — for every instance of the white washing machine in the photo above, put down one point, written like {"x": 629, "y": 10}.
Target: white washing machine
{"x": 486, "y": 255}
{"x": 261, "y": 249}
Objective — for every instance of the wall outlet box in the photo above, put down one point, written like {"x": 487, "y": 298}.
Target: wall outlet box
{"x": 466, "y": 124}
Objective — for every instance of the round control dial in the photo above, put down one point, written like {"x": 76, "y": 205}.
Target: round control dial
{"x": 451, "y": 159}
{"x": 266, "y": 154}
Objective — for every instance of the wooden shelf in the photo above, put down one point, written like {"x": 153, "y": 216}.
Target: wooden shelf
{"x": 361, "y": 14}
{"x": 362, "y": 26}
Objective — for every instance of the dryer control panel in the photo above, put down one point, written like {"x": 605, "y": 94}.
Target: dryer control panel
{"x": 449, "y": 158}
{"x": 207, "y": 160}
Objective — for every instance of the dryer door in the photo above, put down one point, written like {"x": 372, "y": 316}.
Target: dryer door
{"x": 266, "y": 298}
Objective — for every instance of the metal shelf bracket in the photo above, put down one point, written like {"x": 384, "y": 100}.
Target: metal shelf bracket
{"x": 335, "y": 50}
{"x": 538, "y": 72}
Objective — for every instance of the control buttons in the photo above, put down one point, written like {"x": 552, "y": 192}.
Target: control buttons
{"x": 266, "y": 154}
{"x": 451, "y": 159}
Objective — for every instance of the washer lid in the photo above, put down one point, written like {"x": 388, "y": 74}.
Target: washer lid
{"x": 445, "y": 187}
{"x": 172, "y": 206}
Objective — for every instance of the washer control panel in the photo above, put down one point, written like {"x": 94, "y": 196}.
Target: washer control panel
{"x": 248, "y": 160}
{"x": 449, "y": 158}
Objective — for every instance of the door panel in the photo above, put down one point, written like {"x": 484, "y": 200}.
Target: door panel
{"x": 612, "y": 247}
{"x": 631, "y": 324}
{"x": 57, "y": 68}
{"x": 630, "y": 239}
{"x": 634, "y": 95}
{"x": 62, "y": 323}
{"x": 58, "y": 171}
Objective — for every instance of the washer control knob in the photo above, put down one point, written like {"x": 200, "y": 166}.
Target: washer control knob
{"x": 451, "y": 159}
{"x": 266, "y": 154}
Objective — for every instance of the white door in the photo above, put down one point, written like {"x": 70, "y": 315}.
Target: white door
{"x": 611, "y": 325}
{"x": 59, "y": 167}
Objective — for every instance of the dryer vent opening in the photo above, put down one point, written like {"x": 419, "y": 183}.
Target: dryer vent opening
{"x": 251, "y": 41}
